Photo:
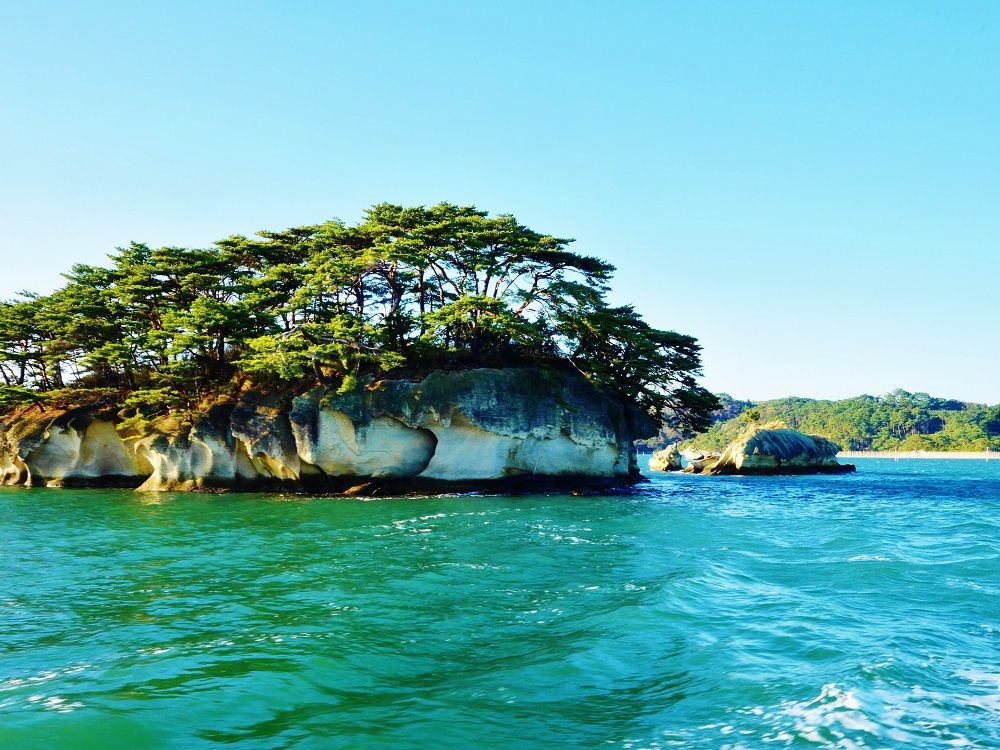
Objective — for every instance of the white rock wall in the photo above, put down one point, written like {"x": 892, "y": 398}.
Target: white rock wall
{"x": 466, "y": 451}
{"x": 383, "y": 447}
{"x": 422, "y": 437}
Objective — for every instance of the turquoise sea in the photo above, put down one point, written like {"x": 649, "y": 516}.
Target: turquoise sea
{"x": 856, "y": 611}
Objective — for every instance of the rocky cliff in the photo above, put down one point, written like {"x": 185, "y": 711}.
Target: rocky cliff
{"x": 463, "y": 430}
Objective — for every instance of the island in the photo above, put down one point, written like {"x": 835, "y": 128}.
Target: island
{"x": 422, "y": 349}
{"x": 897, "y": 423}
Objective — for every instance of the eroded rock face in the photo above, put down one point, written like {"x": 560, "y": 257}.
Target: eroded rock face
{"x": 75, "y": 449}
{"x": 668, "y": 459}
{"x": 381, "y": 447}
{"x": 206, "y": 457}
{"x": 778, "y": 451}
{"x": 697, "y": 460}
{"x": 467, "y": 427}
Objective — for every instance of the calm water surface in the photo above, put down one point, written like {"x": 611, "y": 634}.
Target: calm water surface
{"x": 702, "y": 612}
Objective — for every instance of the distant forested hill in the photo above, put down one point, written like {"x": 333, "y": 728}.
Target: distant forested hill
{"x": 898, "y": 420}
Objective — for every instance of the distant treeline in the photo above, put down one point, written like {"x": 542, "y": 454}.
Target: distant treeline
{"x": 897, "y": 421}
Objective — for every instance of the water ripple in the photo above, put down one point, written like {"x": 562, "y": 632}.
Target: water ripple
{"x": 847, "y": 612}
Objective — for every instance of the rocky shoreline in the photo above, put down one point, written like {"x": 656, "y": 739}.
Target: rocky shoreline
{"x": 473, "y": 430}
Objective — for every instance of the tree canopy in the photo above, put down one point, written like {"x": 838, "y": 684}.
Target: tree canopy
{"x": 405, "y": 290}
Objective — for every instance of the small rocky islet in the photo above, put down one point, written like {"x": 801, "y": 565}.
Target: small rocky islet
{"x": 767, "y": 450}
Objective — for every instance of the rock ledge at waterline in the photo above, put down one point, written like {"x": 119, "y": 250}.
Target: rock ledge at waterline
{"x": 464, "y": 430}
{"x": 766, "y": 451}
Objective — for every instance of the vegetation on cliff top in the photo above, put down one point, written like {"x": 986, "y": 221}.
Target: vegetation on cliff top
{"x": 406, "y": 290}
{"x": 897, "y": 421}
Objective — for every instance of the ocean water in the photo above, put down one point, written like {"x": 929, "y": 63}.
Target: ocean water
{"x": 854, "y": 611}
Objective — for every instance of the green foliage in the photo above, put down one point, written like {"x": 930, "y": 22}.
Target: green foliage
{"x": 406, "y": 288}
{"x": 287, "y": 358}
{"x": 477, "y": 323}
{"x": 622, "y": 353}
{"x": 14, "y": 396}
{"x": 148, "y": 403}
{"x": 751, "y": 416}
{"x": 896, "y": 421}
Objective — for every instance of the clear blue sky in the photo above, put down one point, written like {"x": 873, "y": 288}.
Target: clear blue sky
{"x": 812, "y": 189}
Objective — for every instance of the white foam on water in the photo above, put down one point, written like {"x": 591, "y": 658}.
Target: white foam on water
{"x": 835, "y": 717}
{"x": 41, "y": 678}
{"x": 55, "y": 703}
{"x": 979, "y": 677}
{"x": 988, "y": 702}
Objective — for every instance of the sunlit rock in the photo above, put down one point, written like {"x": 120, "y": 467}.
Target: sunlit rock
{"x": 697, "y": 460}
{"x": 474, "y": 428}
{"x": 778, "y": 451}
{"x": 667, "y": 459}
